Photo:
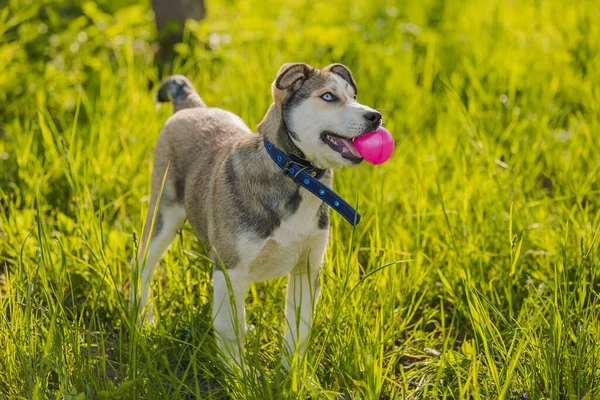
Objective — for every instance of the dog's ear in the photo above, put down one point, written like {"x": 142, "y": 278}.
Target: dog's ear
{"x": 292, "y": 74}
{"x": 342, "y": 71}
{"x": 290, "y": 77}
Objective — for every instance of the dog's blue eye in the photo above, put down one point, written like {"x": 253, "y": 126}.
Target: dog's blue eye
{"x": 328, "y": 97}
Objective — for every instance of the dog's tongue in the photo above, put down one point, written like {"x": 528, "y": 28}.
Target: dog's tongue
{"x": 349, "y": 146}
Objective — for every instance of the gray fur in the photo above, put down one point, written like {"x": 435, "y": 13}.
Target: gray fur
{"x": 179, "y": 90}
{"x": 323, "y": 217}
{"x": 223, "y": 177}
{"x": 221, "y": 173}
{"x": 158, "y": 224}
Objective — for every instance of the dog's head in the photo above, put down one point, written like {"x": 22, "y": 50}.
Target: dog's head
{"x": 321, "y": 114}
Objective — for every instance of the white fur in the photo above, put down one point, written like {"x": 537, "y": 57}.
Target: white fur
{"x": 302, "y": 295}
{"x": 173, "y": 219}
{"x": 228, "y": 295}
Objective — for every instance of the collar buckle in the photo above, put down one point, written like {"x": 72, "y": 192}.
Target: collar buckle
{"x": 291, "y": 168}
{"x": 307, "y": 166}
{"x": 295, "y": 165}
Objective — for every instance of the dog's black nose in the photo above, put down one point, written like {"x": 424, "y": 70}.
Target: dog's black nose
{"x": 373, "y": 117}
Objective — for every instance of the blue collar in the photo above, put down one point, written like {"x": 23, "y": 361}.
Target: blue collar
{"x": 303, "y": 173}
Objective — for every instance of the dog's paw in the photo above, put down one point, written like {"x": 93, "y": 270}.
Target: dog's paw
{"x": 146, "y": 319}
{"x": 150, "y": 319}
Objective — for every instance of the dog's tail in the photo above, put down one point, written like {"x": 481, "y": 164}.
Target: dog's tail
{"x": 179, "y": 90}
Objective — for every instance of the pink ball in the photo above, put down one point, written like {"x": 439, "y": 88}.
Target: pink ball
{"x": 375, "y": 147}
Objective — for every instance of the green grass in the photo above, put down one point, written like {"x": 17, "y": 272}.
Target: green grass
{"x": 479, "y": 238}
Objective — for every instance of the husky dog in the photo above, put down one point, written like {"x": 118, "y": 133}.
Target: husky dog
{"x": 255, "y": 221}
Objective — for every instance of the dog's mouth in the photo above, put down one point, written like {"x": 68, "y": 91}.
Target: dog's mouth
{"x": 342, "y": 145}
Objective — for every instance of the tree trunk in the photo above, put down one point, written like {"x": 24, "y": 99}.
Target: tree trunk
{"x": 170, "y": 21}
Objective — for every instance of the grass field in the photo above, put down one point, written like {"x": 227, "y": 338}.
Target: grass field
{"x": 473, "y": 275}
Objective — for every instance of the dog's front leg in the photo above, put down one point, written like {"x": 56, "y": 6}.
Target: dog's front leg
{"x": 229, "y": 314}
{"x": 302, "y": 295}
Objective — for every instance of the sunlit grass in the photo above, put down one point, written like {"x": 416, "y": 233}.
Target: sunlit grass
{"x": 473, "y": 273}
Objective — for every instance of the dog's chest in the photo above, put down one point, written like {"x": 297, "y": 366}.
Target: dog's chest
{"x": 297, "y": 227}
{"x": 278, "y": 254}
